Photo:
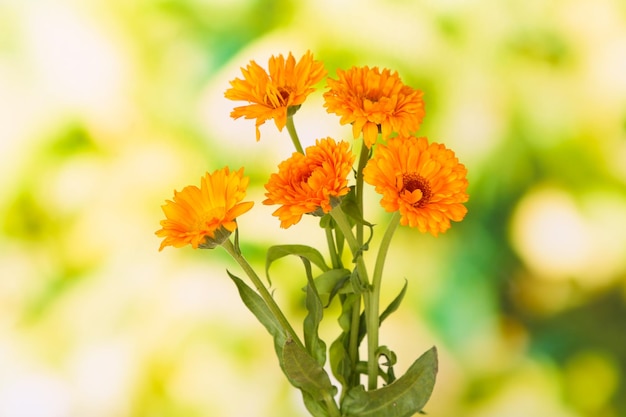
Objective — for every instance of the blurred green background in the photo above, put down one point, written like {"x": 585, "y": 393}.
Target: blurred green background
{"x": 107, "y": 106}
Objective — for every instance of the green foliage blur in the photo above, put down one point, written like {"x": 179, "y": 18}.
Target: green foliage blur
{"x": 108, "y": 106}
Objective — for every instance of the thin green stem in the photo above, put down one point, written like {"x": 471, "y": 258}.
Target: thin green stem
{"x": 263, "y": 291}
{"x": 373, "y": 318}
{"x": 291, "y": 128}
{"x": 332, "y": 248}
{"x": 353, "y": 342}
{"x": 370, "y": 300}
{"x": 363, "y": 158}
{"x": 372, "y": 363}
{"x": 331, "y": 405}
{"x": 383, "y": 249}
{"x": 342, "y": 222}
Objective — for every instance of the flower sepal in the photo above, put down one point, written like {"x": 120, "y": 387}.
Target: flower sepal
{"x": 291, "y": 110}
{"x": 333, "y": 201}
{"x": 219, "y": 237}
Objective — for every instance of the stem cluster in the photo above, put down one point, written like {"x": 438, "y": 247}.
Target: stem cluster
{"x": 359, "y": 295}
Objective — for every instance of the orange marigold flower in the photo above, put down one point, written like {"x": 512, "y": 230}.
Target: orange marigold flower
{"x": 425, "y": 182}
{"x": 204, "y": 217}
{"x": 374, "y": 102}
{"x": 277, "y": 94}
{"x": 310, "y": 182}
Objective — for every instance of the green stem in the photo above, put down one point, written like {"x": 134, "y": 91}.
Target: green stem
{"x": 373, "y": 318}
{"x": 363, "y": 158}
{"x": 331, "y": 405}
{"x": 332, "y": 248}
{"x": 370, "y": 299}
{"x": 263, "y": 291}
{"x": 353, "y": 342}
{"x": 291, "y": 128}
{"x": 340, "y": 218}
{"x": 382, "y": 251}
{"x": 372, "y": 363}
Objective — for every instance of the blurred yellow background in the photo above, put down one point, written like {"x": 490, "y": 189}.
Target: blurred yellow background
{"x": 106, "y": 106}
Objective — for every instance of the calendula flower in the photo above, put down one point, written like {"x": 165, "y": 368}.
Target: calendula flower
{"x": 204, "y": 217}
{"x": 425, "y": 182}
{"x": 310, "y": 182}
{"x": 276, "y": 94}
{"x": 374, "y": 102}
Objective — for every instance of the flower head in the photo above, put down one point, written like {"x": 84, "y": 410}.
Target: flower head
{"x": 310, "y": 182}
{"x": 274, "y": 95}
{"x": 374, "y": 102}
{"x": 425, "y": 182}
{"x": 204, "y": 217}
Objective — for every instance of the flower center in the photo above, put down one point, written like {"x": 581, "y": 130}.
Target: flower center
{"x": 284, "y": 94}
{"x": 277, "y": 96}
{"x": 415, "y": 190}
{"x": 210, "y": 219}
{"x": 372, "y": 97}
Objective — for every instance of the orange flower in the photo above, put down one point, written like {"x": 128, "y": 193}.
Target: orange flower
{"x": 274, "y": 95}
{"x": 426, "y": 183}
{"x": 204, "y": 217}
{"x": 374, "y": 102}
{"x": 310, "y": 182}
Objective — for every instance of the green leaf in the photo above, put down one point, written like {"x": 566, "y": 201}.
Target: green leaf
{"x": 350, "y": 206}
{"x": 389, "y": 376}
{"x": 316, "y": 408}
{"x": 340, "y": 362}
{"x": 326, "y": 221}
{"x": 315, "y": 346}
{"x": 255, "y": 303}
{"x": 393, "y": 306}
{"x": 279, "y": 251}
{"x": 403, "y": 398}
{"x": 301, "y": 369}
{"x": 305, "y": 373}
{"x": 333, "y": 282}
{"x": 357, "y": 285}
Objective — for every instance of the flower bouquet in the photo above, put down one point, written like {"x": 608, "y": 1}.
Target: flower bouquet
{"x": 422, "y": 185}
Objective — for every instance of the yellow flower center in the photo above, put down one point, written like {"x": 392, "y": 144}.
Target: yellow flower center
{"x": 415, "y": 190}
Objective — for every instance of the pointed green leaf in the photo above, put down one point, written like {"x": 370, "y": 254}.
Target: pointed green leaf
{"x": 403, "y": 398}
{"x": 340, "y": 364}
{"x": 305, "y": 373}
{"x": 393, "y": 306}
{"x": 255, "y": 303}
{"x": 304, "y": 251}
{"x": 315, "y": 346}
